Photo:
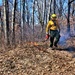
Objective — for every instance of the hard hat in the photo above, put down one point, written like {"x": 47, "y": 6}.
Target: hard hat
{"x": 53, "y": 16}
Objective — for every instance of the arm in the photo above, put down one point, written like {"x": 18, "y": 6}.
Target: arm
{"x": 47, "y": 31}
{"x": 47, "y": 28}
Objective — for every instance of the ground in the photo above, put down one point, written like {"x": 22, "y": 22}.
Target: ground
{"x": 38, "y": 59}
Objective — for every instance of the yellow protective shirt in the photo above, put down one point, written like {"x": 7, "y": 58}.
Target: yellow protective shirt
{"x": 51, "y": 26}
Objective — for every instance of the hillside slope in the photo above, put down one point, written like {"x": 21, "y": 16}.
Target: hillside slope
{"x": 37, "y": 60}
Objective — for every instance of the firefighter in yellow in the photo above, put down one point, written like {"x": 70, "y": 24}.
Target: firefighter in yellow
{"x": 54, "y": 29}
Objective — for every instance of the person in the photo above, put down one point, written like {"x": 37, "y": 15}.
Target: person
{"x": 54, "y": 29}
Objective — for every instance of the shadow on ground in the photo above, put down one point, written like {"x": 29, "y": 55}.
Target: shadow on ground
{"x": 70, "y": 49}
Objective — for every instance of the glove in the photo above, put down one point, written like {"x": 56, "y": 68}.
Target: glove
{"x": 47, "y": 36}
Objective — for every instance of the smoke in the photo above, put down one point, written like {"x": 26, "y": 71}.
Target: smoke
{"x": 63, "y": 42}
{"x": 63, "y": 38}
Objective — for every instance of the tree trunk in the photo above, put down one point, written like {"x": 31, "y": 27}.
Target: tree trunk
{"x": 24, "y": 1}
{"x": 27, "y": 12}
{"x": 73, "y": 13}
{"x": 44, "y": 19}
{"x": 33, "y": 18}
{"x": 1, "y": 29}
{"x": 54, "y": 7}
{"x": 49, "y": 11}
{"x": 13, "y": 21}
{"x": 24, "y": 12}
{"x": 61, "y": 8}
{"x": 6, "y": 22}
{"x": 68, "y": 19}
{"x": 21, "y": 20}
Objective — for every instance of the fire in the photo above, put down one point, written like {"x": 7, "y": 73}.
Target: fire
{"x": 33, "y": 43}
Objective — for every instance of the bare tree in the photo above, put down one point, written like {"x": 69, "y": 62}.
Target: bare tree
{"x": 68, "y": 18}
{"x": 24, "y": 14}
{"x": 13, "y": 21}
{"x": 6, "y": 21}
{"x": 1, "y": 27}
{"x": 61, "y": 8}
{"x": 45, "y": 10}
{"x": 33, "y": 17}
{"x": 22, "y": 20}
{"x": 54, "y": 7}
{"x": 73, "y": 13}
{"x": 49, "y": 10}
{"x": 24, "y": 1}
{"x": 27, "y": 12}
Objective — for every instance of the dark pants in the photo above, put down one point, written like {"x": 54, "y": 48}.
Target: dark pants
{"x": 54, "y": 34}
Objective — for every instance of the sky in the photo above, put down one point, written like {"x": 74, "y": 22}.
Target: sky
{"x": 0, "y": 2}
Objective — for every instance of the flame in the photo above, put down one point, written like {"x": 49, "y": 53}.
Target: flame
{"x": 33, "y": 43}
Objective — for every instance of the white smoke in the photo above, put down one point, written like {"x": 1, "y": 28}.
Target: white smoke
{"x": 63, "y": 38}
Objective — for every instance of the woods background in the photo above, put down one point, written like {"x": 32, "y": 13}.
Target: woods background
{"x": 25, "y": 20}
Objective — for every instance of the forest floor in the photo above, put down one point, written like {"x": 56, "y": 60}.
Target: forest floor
{"x": 39, "y": 59}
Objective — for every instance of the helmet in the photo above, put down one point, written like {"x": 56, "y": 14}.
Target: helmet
{"x": 53, "y": 16}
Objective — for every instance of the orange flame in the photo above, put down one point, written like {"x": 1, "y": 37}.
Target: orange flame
{"x": 33, "y": 43}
